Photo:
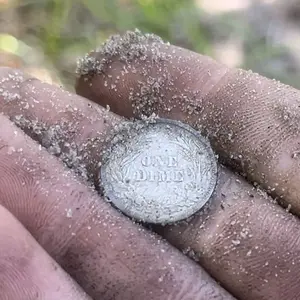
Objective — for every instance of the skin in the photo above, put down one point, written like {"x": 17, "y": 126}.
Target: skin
{"x": 243, "y": 239}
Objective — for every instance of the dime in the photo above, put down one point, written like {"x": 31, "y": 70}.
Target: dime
{"x": 160, "y": 172}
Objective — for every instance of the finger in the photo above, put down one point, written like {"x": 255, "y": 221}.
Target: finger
{"x": 243, "y": 287}
{"x": 221, "y": 276}
{"x": 245, "y": 241}
{"x": 26, "y": 270}
{"x": 109, "y": 256}
{"x": 252, "y": 122}
{"x": 71, "y": 129}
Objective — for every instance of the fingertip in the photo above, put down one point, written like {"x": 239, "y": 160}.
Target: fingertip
{"x": 108, "y": 75}
{"x": 140, "y": 75}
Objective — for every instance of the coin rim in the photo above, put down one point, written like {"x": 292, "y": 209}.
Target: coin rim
{"x": 102, "y": 178}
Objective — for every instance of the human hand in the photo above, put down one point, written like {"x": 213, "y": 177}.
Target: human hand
{"x": 244, "y": 241}
{"x": 70, "y": 240}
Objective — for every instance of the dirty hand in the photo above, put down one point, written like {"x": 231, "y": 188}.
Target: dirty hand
{"x": 58, "y": 238}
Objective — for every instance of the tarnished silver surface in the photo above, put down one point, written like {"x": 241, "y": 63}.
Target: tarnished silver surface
{"x": 161, "y": 172}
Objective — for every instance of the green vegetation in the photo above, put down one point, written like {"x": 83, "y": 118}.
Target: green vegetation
{"x": 53, "y": 33}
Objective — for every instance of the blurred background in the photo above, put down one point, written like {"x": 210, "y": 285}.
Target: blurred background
{"x": 45, "y": 37}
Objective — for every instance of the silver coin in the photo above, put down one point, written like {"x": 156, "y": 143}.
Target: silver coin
{"x": 160, "y": 172}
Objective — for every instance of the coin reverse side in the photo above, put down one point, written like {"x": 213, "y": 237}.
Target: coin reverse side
{"x": 161, "y": 172}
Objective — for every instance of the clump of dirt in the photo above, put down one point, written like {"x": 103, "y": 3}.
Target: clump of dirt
{"x": 53, "y": 139}
{"x": 127, "y": 47}
{"x": 140, "y": 56}
{"x": 17, "y": 78}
